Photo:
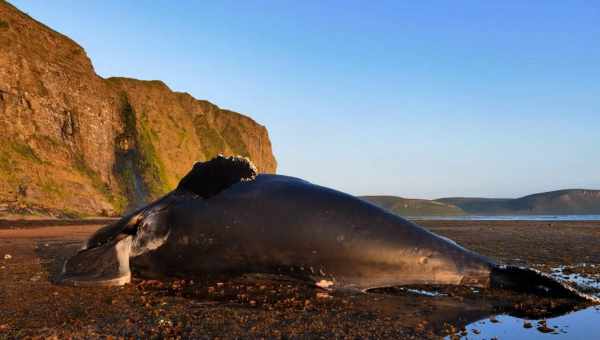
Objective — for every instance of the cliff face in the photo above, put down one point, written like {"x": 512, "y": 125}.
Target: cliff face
{"x": 74, "y": 143}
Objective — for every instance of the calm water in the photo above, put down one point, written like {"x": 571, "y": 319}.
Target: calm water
{"x": 583, "y": 324}
{"x": 511, "y": 218}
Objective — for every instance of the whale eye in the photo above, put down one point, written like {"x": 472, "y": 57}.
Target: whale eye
{"x": 152, "y": 232}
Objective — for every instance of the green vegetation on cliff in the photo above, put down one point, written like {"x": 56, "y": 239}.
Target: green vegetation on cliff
{"x": 140, "y": 170}
{"x": 212, "y": 142}
{"x": 116, "y": 199}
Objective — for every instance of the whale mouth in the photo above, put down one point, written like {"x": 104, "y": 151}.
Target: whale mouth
{"x": 107, "y": 265}
{"x": 104, "y": 259}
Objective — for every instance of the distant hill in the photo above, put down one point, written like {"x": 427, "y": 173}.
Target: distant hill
{"x": 561, "y": 202}
{"x": 414, "y": 207}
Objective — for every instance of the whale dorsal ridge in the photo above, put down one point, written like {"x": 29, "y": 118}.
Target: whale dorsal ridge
{"x": 207, "y": 179}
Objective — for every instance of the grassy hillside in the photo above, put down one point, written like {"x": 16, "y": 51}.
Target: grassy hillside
{"x": 480, "y": 206}
{"x": 561, "y": 202}
{"x": 414, "y": 207}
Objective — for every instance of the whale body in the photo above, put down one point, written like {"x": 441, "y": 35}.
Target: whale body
{"x": 224, "y": 219}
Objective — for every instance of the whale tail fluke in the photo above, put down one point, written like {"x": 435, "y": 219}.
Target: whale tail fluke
{"x": 532, "y": 281}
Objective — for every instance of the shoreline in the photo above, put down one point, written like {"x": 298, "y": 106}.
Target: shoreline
{"x": 255, "y": 306}
{"x": 10, "y": 223}
{"x": 512, "y": 218}
{"x": 24, "y": 222}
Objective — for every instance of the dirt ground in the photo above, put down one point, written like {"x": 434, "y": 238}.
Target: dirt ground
{"x": 256, "y": 306}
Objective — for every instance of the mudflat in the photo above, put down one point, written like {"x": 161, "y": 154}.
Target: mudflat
{"x": 32, "y": 253}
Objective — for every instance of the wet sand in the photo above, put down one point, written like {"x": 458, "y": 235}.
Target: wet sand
{"x": 256, "y": 306}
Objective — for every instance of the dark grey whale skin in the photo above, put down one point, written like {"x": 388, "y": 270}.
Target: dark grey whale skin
{"x": 280, "y": 224}
{"x": 223, "y": 220}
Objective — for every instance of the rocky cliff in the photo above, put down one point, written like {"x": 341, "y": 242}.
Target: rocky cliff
{"x": 73, "y": 143}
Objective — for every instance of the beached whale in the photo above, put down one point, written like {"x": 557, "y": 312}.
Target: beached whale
{"x": 225, "y": 219}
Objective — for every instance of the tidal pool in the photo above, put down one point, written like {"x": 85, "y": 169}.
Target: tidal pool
{"x": 582, "y": 324}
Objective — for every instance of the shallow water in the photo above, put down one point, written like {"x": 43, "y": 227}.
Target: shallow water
{"x": 423, "y": 292}
{"x": 583, "y": 324}
{"x": 511, "y": 218}
{"x": 589, "y": 282}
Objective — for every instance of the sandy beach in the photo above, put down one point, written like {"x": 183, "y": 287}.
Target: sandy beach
{"x": 254, "y": 306}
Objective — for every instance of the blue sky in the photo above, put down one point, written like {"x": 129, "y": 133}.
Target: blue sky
{"x": 411, "y": 98}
